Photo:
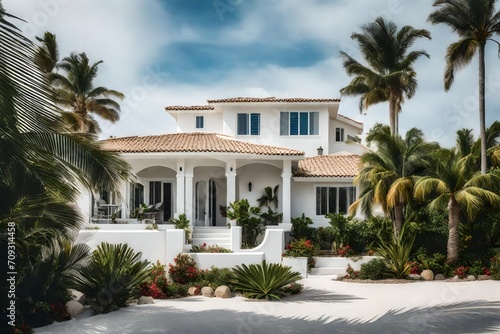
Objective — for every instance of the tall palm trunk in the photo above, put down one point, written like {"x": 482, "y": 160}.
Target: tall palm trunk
{"x": 482, "y": 125}
{"x": 453, "y": 229}
{"x": 398, "y": 218}
{"x": 392, "y": 115}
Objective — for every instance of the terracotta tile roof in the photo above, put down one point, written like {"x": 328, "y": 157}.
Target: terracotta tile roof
{"x": 332, "y": 165}
{"x": 192, "y": 142}
{"x": 350, "y": 119}
{"x": 270, "y": 99}
{"x": 189, "y": 107}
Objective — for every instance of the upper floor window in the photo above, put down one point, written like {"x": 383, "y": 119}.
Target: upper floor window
{"x": 248, "y": 124}
{"x": 293, "y": 123}
{"x": 200, "y": 122}
{"x": 339, "y": 134}
{"x": 334, "y": 199}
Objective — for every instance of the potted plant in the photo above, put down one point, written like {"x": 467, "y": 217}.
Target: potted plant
{"x": 299, "y": 255}
{"x": 139, "y": 212}
{"x": 268, "y": 198}
{"x": 182, "y": 223}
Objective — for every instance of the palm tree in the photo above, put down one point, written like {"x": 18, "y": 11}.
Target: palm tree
{"x": 475, "y": 22}
{"x": 42, "y": 168}
{"x": 453, "y": 182}
{"x": 389, "y": 74}
{"x": 387, "y": 174}
{"x": 269, "y": 197}
{"x": 75, "y": 91}
{"x": 467, "y": 146}
{"x": 47, "y": 55}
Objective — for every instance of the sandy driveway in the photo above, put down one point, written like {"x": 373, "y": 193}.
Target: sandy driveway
{"x": 325, "y": 306}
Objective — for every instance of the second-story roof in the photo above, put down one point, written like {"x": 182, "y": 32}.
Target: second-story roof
{"x": 271, "y": 99}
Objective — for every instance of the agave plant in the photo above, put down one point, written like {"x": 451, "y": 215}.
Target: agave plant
{"x": 263, "y": 281}
{"x": 112, "y": 276}
{"x": 397, "y": 251}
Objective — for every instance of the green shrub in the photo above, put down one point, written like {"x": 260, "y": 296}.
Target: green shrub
{"x": 263, "y": 281}
{"x": 375, "y": 269}
{"x": 436, "y": 262}
{"x": 476, "y": 268}
{"x": 248, "y": 217}
{"x": 216, "y": 277}
{"x": 301, "y": 228}
{"x": 397, "y": 252}
{"x": 156, "y": 284}
{"x": 111, "y": 277}
{"x": 182, "y": 223}
{"x": 203, "y": 248}
{"x": 184, "y": 270}
{"x": 495, "y": 267}
{"x": 302, "y": 248}
{"x": 176, "y": 290}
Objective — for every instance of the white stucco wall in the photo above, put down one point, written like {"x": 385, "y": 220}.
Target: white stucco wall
{"x": 270, "y": 127}
{"x": 186, "y": 122}
{"x": 261, "y": 176}
{"x": 304, "y": 199}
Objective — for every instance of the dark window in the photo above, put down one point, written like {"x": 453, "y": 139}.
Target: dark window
{"x": 339, "y": 134}
{"x": 200, "y": 122}
{"x": 334, "y": 199}
{"x": 299, "y": 123}
{"x": 154, "y": 192}
{"x": 248, "y": 124}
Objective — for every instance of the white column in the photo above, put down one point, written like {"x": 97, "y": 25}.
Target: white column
{"x": 125, "y": 198}
{"x": 286, "y": 201}
{"x": 189, "y": 197}
{"x": 180, "y": 188}
{"x": 230, "y": 183}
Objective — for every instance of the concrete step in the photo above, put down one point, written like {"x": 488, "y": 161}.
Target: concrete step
{"x": 328, "y": 271}
{"x": 204, "y": 235}
{"x": 331, "y": 262}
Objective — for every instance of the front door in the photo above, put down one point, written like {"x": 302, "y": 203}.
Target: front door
{"x": 200, "y": 203}
{"x": 212, "y": 203}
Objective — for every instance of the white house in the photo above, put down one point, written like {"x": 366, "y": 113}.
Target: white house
{"x": 232, "y": 149}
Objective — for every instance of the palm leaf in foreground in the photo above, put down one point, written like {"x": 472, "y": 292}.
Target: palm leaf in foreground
{"x": 263, "y": 281}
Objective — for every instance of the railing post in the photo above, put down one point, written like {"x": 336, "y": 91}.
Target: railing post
{"x": 236, "y": 238}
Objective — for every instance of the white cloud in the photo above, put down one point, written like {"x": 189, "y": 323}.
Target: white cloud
{"x": 132, "y": 36}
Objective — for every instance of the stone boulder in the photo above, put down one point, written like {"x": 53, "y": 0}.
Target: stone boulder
{"x": 207, "y": 291}
{"x": 427, "y": 275}
{"x": 471, "y": 278}
{"x": 145, "y": 300}
{"x": 415, "y": 277}
{"x": 193, "y": 291}
{"x": 439, "y": 277}
{"x": 223, "y": 292}
{"x": 74, "y": 308}
{"x": 483, "y": 277}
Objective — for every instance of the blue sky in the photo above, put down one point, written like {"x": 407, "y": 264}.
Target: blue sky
{"x": 172, "y": 52}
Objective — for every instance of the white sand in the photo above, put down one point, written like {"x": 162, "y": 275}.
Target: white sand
{"x": 322, "y": 299}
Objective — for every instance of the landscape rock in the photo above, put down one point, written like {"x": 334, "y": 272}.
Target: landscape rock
{"x": 193, "y": 291}
{"x": 471, "y": 278}
{"x": 439, "y": 277}
{"x": 207, "y": 291}
{"x": 483, "y": 277}
{"x": 78, "y": 296}
{"x": 223, "y": 292}
{"x": 145, "y": 300}
{"x": 74, "y": 308}
{"x": 427, "y": 275}
{"x": 416, "y": 277}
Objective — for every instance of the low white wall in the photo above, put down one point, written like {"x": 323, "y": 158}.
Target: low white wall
{"x": 226, "y": 260}
{"x": 162, "y": 245}
{"x": 272, "y": 245}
